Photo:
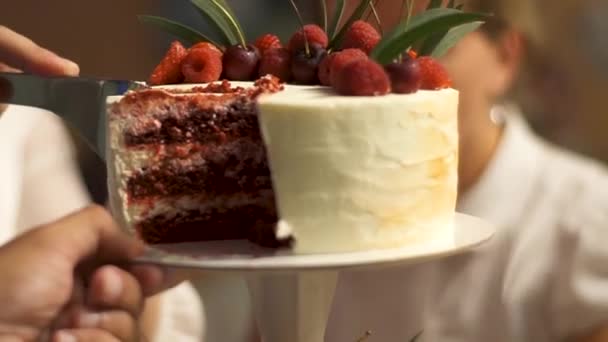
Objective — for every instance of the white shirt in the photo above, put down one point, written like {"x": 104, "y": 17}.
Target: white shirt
{"x": 40, "y": 182}
{"x": 543, "y": 277}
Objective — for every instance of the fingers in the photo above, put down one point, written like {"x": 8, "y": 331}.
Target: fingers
{"x": 155, "y": 279}
{"x": 91, "y": 233}
{"x": 115, "y": 289}
{"x": 21, "y": 53}
{"x": 119, "y": 324}
{"x": 7, "y": 68}
{"x": 84, "y": 335}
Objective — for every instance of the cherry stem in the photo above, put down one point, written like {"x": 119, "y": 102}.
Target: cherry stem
{"x": 376, "y": 16}
{"x": 306, "y": 45}
{"x": 410, "y": 10}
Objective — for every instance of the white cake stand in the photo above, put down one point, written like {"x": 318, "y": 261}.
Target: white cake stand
{"x": 292, "y": 294}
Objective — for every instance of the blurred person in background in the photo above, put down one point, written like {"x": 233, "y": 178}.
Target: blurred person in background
{"x": 40, "y": 182}
{"x": 543, "y": 277}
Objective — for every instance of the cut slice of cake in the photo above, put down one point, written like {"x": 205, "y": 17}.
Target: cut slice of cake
{"x": 188, "y": 164}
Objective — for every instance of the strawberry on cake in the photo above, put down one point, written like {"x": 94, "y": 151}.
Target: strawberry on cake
{"x": 342, "y": 140}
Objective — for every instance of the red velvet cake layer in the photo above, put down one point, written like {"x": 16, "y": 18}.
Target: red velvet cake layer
{"x": 255, "y": 222}
{"x": 195, "y": 166}
{"x": 235, "y": 167}
{"x": 237, "y": 119}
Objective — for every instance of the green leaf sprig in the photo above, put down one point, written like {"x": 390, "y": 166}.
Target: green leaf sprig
{"x": 432, "y": 32}
{"x": 437, "y": 28}
{"x": 216, "y": 12}
{"x": 324, "y": 11}
{"x": 301, "y": 21}
{"x": 176, "y": 29}
{"x": 337, "y": 17}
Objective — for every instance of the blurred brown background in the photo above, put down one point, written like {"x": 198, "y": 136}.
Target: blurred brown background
{"x": 104, "y": 37}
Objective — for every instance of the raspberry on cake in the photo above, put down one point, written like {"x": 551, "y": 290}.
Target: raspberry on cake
{"x": 343, "y": 58}
{"x": 361, "y": 35}
{"x": 202, "y": 65}
{"x": 207, "y": 46}
{"x": 168, "y": 71}
{"x": 434, "y": 75}
{"x": 324, "y": 69}
{"x": 313, "y": 33}
{"x": 276, "y": 62}
{"x": 362, "y": 77}
{"x": 267, "y": 42}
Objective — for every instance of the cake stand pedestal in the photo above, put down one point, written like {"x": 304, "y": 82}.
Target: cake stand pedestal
{"x": 292, "y": 294}
{"x": 292, "y": 306}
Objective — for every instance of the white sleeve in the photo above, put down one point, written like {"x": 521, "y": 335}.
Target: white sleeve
{"x": 580, "y": 288}
{"x": 52, "y": 184}
{"x": 181, "y": 316}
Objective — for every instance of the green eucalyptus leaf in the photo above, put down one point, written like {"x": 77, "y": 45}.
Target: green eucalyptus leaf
{"x": 427, "y": 46}
{"x": 324, "y": 14}
{"x": 357, "y": 14}
{"x": 434, "y": 4}
{"x": 335, "y": 21}
{"x": 420, "y": 27}
{"x": 230, "y": 11}
{"x": 452, "y": 37}
{"x": 176, "y": 29}
{"x": 220, "y": 17}
{"x": 215, "y": 19}
{"x": 227, "y": 7}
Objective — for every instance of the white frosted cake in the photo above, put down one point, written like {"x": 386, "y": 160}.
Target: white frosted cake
{"x": 360, "y": 173}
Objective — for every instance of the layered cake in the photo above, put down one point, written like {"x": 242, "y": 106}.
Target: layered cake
{"x": 340, "y": 140}
{"x": 350, "y": 173}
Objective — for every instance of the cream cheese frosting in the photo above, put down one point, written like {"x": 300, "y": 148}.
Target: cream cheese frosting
{"x": 359, "y": 173}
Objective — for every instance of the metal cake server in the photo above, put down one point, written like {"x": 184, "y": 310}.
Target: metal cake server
{"x": 80, "y": 102}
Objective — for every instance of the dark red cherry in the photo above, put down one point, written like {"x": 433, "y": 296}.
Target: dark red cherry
{"x": 406, "y": 76}
{"x": 241, "y": 63}
{"x": 305, "y": 66}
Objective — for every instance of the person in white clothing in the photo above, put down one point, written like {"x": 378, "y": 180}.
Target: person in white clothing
{"x": 40, "y": 182}
{"x": 544, "y": 276}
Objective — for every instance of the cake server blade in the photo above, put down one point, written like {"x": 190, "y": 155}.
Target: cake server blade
{"x": 80, "y": 102}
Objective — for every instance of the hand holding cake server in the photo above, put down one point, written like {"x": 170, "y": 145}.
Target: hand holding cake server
{"x": 59, "y": 281}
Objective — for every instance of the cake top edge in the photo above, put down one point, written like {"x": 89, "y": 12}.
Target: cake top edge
{"x": 325, "y": 96}
{"x": 219, "y": 89}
